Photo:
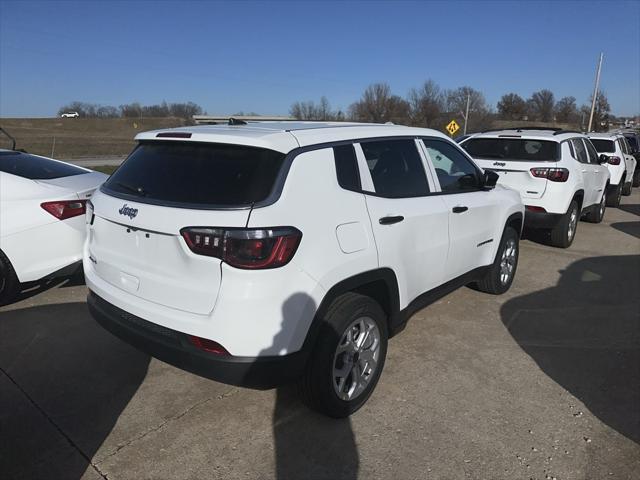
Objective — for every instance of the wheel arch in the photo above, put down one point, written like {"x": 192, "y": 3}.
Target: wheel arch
{"x": 380, "y": 284}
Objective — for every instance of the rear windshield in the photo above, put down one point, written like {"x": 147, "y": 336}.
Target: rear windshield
{"x": 513, "y": 149}
{"x": 36, "y": 168}
{"x": 604, "y": 146}
{"x": 196, "y": 174}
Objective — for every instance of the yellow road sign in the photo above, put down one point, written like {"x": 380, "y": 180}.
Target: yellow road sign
{"x": 453, "y": 127}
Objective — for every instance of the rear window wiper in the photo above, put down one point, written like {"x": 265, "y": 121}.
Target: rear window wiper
{"x": 137, "y": 190}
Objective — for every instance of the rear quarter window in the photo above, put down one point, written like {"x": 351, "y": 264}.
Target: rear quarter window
{"x": 603, "y": 145}
{"x": 518, "y": 149}
{"x": 36, "y": 168}
{"x": 194, "y": 174}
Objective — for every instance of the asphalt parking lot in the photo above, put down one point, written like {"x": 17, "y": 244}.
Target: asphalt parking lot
{"x": 540, "y": 383}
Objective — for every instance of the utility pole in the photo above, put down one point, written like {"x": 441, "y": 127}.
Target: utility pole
{"x": 466, "y": 115}
{"x": 595, "y": 92}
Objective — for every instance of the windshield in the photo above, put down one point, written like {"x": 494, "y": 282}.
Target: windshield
{"x": 604, "y": 146}
{"x": 519, "y": 149}
{"x": 36, "y": 168}
{"x": 196, "y": 174}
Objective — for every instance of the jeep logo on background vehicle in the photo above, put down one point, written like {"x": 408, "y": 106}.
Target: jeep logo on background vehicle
{"x": 128, "y": 211}
{"x": 499, "y": 164}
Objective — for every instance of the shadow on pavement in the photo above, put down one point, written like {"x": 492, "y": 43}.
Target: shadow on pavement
{"x": 584, "y": 333}
{"x": 630, "y": 208}
{"x": 307, "y": 444}
{"x": 31, "y": 289}
{"x": 630, "y": 228}
{"x": 63, "y": 385}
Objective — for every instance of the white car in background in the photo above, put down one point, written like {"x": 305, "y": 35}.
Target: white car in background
{"x": 621, "y": 164}
{"x": 42, "y": 218}
{"x": 70, "y": 115}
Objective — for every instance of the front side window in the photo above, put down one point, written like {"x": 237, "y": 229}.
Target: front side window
{"x": 455, "y": 172}
{"x": 580, "y": 150}
{"x": 591, "y": 152}
{"x": 396, "y": 168}
{"x": 196, "y": 174}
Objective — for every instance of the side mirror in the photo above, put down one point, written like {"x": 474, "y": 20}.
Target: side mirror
{"x": 603, "y": 159}
{"x": 490, "y": 179}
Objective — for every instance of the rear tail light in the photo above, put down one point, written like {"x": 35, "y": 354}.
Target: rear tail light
{"x": 208, "y": 345}
{"x": 553, "y": 174}
{"x": 245, "y": 248}
{"x": 64, "y": 209}
{"x": 614, "y": 160}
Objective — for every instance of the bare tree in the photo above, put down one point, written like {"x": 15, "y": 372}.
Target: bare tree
{"x": 512, "y": 107}
{"x": 566, "y": 110}
{"x": 379, "y": 105}
{"x": 541, "y": 105}
{"x": 310, "y": 111}
{"x": 601, "y": 114}
{"x": 479, "y": 112}
{"x": 426, "y": 104}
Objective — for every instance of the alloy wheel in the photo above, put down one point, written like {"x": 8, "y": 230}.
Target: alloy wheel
{"x": 508, "y": 261}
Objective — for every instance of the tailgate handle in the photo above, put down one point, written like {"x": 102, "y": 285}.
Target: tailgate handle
{"x": 391, "y": 220}
{"x": 459, "y": 209}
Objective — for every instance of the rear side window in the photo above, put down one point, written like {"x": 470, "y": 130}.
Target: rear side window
{"x": 347, "y": 167}
{"x": 624, "y": 145}
{"x": 581, "y": 151}
{"x": 633, "y": 143}
{"x": 518, "y": 149}
{"x": 36, "y": 168}
{"x": 396, "y": 168}
{"x": 196, "y": 174}
{"x": 604, "y": 146}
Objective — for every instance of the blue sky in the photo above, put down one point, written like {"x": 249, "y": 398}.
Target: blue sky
{"x": 262, "y": 56}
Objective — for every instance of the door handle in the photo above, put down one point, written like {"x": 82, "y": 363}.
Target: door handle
{"x": 459, "y": 209}
{"x": 391, "y": 220}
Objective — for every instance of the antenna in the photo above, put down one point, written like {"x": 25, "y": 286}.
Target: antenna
{"x": 13, "y": 140}
{"x": 595, "y": 92}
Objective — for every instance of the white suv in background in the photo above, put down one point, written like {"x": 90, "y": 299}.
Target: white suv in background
{"x": 621, "y": 164}
{"x": 558, "y": 173}
{"x": 262, "y": 253}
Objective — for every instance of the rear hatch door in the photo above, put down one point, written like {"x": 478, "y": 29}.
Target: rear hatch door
{"x": 513, "y": 159}
{"x": 135, "y": 242}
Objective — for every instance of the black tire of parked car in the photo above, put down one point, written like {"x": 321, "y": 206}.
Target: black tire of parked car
{"x": 491, "y": 282}
{"x": 316, "y": 385}
{"x": 564, "y": 232}
{"x": 614, "y": 196}
{"x": 597, "y": 214}
{"x": 626, "y": 190}
{"x": 636, "y": 178}
{"x": 9, "y": 283}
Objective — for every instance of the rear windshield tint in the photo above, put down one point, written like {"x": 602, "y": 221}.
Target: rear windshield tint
{"x": 36, "y": 168}
{"x": 520, "y": 149}
{"x": 604, "y": 146}
{"x": 196, "y": 174}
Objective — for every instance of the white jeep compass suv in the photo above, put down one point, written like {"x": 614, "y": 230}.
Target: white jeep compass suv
{"x": 558, "y": 173}
{"x": 621, "y": 164}
{"x": 262, "y": 253}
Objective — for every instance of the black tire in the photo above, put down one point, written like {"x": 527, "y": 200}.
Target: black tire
{"x": 596, "y": 215}
{"x": 626, "y": 189}
{"x": 493, "y": 282}
{"x": 636, "y": 178}
{"x": 9, "y": 283}
{"x": 564, "y": 232}
{"x": 614, "y": 195}
{"x": 317, "y": 383}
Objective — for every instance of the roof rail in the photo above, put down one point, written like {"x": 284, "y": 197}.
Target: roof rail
{"x": 13, "y": 140}
{"x": 235, "y": 121}
{"x": 561, "y": 131}
{"x": 550, "y": 129}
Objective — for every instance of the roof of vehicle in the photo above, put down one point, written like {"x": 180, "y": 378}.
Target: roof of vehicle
{"x": 551, "y": 134}
{"x": 607, "y": 135}
{"x": 285, "y": 136}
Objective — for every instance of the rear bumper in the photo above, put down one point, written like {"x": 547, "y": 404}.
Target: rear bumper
{"x": 541, "y": 219}
{"x": 173, "y": 347}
